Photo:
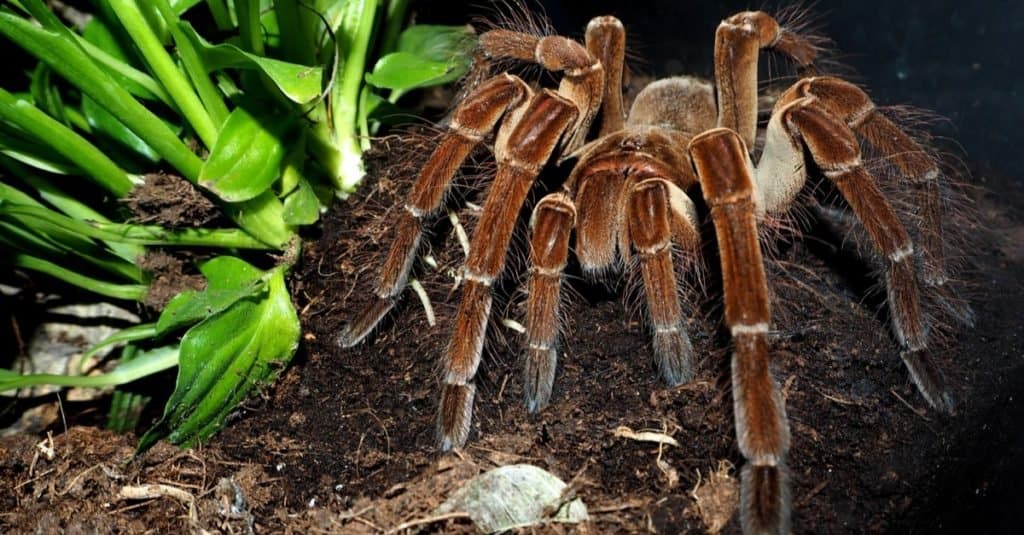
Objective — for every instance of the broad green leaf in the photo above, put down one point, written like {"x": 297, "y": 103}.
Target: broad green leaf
{"x": 263, "y": 218}
{"x": 300, "y": 83}
{"x": 427, "y": 55}
{"x": 224, "y": 290}
{"x": 227, "y": 272}
{"x": 405, "y": 70}
{"x": 246, "y": 159}
{"x": 301, "y": 207}
{"x": 223, "y": 359}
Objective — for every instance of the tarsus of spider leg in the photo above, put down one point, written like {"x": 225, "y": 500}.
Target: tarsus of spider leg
{"x": 524, "y": 144}
{"x": 472, "y": 120}
{"x": 552, "y": 223}
{"x": 834, "y": 147}
{"x": 653, "y": 220}
{"x": 762, "y": 432}
{"x": 738, "y": 42}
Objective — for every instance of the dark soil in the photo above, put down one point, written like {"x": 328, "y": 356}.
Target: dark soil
{"x": 170, "y": 201}
{"x": 344, "y": 442}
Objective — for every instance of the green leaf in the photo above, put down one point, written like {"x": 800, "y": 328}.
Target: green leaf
{"x": 405, "y": 70}
{"x": 263, "y": 218}
{"x": 125, "y": 406}
{"x": 300, "y": 83}
{"x": 301, "y": 206}
{"x": 65, "y": 141}
{"x": 223, "y": 359}
{"x": 99, "y": 42}
{"x": 67, "y": 58}
{"x": 45, "y": 95}
{"x": 230, "y": 280}
{"x": 246, "y": 159}
{"x": 427, "y": 55}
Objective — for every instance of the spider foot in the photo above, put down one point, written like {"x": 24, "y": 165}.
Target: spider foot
{"x": 928, "y": 379}
{"x": 674, "y": 355}
{"x": 765, "y": 500}
{"x": 539, "y": 377}
{"x": 454, "y": 416}
{"x": 356, "y": 330}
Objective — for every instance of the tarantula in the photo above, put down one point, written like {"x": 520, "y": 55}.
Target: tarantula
{"x": 630, "y": 196}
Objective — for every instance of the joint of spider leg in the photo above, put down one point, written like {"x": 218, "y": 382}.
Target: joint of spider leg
{"x": 523, "y": 166}
{"x": 482, "y": 280}
{"x": 606, "y": 20}
{"x": 414, "y": 211}
{"x": 858, "y": 117}
{"x": 548, "y": 273}
{"x": 581, "y": 72}
{"x": 749, "y": 329}
{"x": 539, "y": 346}
{"x": 902, "y": 253}
{"x": 646, "y": 252}
{"x": 465, "y": 132}
{"x": 837, "y": 171}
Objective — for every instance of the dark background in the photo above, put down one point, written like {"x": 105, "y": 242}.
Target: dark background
{"x": 959, "y": 59}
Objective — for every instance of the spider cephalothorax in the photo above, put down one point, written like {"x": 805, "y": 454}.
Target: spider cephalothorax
{"x": 634, "y": 195}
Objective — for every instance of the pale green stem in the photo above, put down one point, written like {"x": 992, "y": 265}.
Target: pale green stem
{"x": 162, "y": 65}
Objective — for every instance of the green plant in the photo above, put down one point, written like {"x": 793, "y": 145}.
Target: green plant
{"x": 269, "y": 124}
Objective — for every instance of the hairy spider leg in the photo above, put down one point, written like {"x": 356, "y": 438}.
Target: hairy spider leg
{"x": 738, "y": 41}
{"x": 523, "y": 146}
{"x": 472, "y": 120}
{"x": 762, "y": 432}
{"x": 660, "y": 214}
{"x": 551, "y": 225}
{"x": 834, "y": 148}
{"x": 917, "y": 167}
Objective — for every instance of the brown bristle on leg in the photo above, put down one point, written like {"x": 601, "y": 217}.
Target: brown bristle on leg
{"x": 606, "y": 41}
{"x": 357, "y": 329}
{"x": 597, "y": 235}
